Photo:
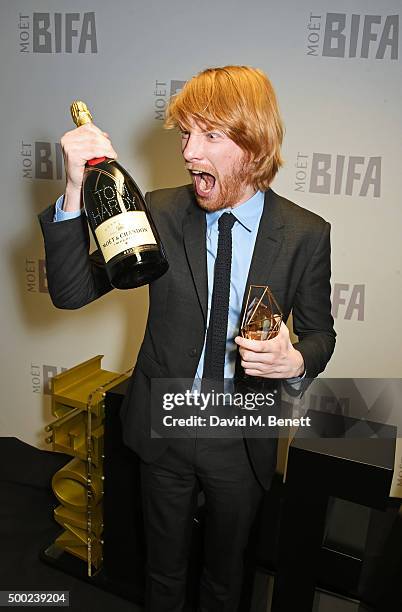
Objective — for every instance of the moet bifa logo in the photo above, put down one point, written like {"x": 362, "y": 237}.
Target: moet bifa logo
{"x": 354, "y": 35}
{"x": 41, "y": 376}
{"x": 35, "y": 275}
{"x": 57, "y": 32}
{"x": 337, "y": 174}
{"x": 163, "y": 91}
{"x": 348, "y": 301}
{"x": 41, "y": 160}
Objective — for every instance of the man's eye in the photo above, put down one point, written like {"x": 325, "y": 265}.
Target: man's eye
{"x": 213, "y": 135}
{"x": 184, "y": 135}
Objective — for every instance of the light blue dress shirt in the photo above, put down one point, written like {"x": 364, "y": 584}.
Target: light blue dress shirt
{"x": 62, "y": 215}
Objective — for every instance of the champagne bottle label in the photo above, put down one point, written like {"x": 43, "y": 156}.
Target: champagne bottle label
{"x": 125, "y": 233}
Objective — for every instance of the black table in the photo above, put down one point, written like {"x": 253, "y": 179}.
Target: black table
{"x": 333, "y": 461}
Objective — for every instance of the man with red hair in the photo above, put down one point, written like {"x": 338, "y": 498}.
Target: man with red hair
{"x": 231, "y": 135}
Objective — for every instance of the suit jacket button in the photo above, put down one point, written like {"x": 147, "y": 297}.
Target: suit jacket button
{"x": 192, "y": 352}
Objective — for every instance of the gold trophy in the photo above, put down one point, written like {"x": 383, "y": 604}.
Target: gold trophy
{"x": 262, "y": 316}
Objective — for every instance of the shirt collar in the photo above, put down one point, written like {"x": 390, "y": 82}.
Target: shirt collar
{"x": 248, "y": 214}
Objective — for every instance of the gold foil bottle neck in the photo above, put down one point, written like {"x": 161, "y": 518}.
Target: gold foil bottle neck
{"x": 80, "y": 113}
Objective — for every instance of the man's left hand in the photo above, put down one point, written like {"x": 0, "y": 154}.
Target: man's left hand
{"x": 275, "y": 358}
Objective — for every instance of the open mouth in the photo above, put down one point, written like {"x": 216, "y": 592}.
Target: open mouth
{"x": 204, "y": 182}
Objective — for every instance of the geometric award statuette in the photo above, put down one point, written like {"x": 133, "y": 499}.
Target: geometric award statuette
{"x": 262, "y": 316}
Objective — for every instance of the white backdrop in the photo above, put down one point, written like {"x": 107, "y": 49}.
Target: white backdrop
{"x": 336, "y": 67}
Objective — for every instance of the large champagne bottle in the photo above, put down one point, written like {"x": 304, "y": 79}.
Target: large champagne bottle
{"x": 118, "y": 217}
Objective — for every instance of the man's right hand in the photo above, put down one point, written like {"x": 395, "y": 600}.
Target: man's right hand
{"x": 79, "y": 146}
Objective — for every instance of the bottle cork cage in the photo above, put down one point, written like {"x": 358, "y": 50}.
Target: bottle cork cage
{"x": 78, "y": 403}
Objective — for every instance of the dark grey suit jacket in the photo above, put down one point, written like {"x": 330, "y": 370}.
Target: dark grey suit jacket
{"x": 291, "y": 255}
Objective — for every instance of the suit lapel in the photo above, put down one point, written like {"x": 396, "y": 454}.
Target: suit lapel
{"x": 194, "y": 232}
{"x": 267, "y": 245}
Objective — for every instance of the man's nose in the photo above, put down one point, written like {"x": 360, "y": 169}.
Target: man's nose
{"x": 193, "y": 148}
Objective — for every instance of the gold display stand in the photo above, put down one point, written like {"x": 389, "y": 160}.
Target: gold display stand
{"x": 78, "y": 405}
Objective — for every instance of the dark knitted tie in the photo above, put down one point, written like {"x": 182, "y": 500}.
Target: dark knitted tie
{"x": 215, "y": 347}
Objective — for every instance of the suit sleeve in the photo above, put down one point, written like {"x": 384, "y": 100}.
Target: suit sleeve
{"x": 75, "y": 278}
{"x": 312, "y": 319}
